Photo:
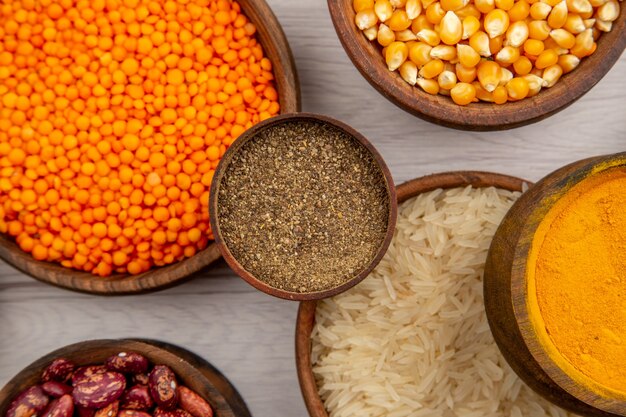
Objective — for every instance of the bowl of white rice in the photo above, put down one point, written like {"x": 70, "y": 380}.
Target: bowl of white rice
{"x": 413, "y": 339}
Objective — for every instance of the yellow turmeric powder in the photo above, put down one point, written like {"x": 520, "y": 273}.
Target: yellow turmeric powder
{"x": 577, "y": 282}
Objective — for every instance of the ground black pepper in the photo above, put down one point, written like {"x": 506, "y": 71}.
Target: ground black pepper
{"x": 303, "y": 206}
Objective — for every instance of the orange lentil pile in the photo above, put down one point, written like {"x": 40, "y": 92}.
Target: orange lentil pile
{"x": 113, "y": 117}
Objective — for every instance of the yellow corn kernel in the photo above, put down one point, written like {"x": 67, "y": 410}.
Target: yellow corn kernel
{"x": 434, "y": 13}
{"x": 496, "y": 23}
{"x": 568, "y": 62}
{"x": 426, "y": 3}
{"x": 431, "y": 69}
{"x": 383, "y": 10}
{"x": 508, "y": 55}
{"x": 471, "y": 25}
{"x": 597, "y": 3}
{"x": 398, "y": 21}
{"x": 371, "y": 33}
{"x": 522, "y": 66}
{"x": 584, "y": 44}
{"x": 385, "y": 35}
{"x": 540, "y": 10}
{"x": 574, "y": 24}
{"x": 413, "y": 8}
{"x": 463, "y": 94}
{"x": 517, "y": 88}
{"x": 429, "y": 36}
{"x": 495, "y": 44}
{"x": 519, "y": 11}
{"x": 430, "y": 86}
{"x": 481, "y": 93}
{"x": 480, "y": 42}
{"x": 395, "y": 55}
{"x": 558, "y": 15}
{"x": 500, "y": 95}
{"x": 365, "y": 19}
{"x": 421, "y": 23}
{"x": 408, "y": 72}
{"x": 551, "y": 44}
{"x": 489, "y": 74}
{"x": 536, "y": 71}
{"x": 589, "y": 23}
{"x": 451, "y": 29}
{"x": 444, "y": 52}
{"x": 360, "y": 5}
{"x": 505, "y": 76}
{"x": 453, "y": 5}
{"x": 468, "y": 57}
{"x": 419, "y": 53}
{"x": 579, "y": 6}
{"x": 539, "y": 29}
{"x": 535, "y": 83}
{"x": 517, "y": 34}
{"x": 603, "y": 26}
{"x": 546, "y": 58}
{"x": 533, "y": 47}
{"x": 552, "y": 3}
{"x": 505, "y": 4}
{"x": 447, "y": 79}
{"x": 552, "y": 74}
{"x": 469, "y": 10}
{"x": 485, "y": 6}
{"x": 465, "y": 74}
{"x": 406, "y": 35}
{"x": 398, "y": 3}
{"x": 608, "y": 12}
{"x": 563, "y": 38}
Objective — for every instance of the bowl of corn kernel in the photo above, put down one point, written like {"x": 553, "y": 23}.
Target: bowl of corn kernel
{"x": 113, "y": 117}
{"x": 481, "y": 64}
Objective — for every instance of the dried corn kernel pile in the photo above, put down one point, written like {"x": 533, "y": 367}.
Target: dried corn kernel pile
{"x": 490, "y": 50}
{"x": 113, "y": 117}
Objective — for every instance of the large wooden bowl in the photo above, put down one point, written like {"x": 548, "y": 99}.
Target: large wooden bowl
{"x": 439, "y": 109}
{"x": 249, "y": 135}
{"x": 191, "y": 370}
{"x": 506, "y": 293}
{"x": 276, "y": 48}
{"x": 306, "y": 312}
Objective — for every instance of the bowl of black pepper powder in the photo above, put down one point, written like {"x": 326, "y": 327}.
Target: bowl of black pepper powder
{"x": 302, "y": 206}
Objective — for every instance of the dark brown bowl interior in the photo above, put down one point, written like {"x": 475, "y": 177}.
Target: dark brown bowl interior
{"x": 219, "y": 174}
{"x": 410, "y": 189}
{"x": 439, "y": 109}
{"x": 276, "y": 47}
{"x": 191, "y": 370}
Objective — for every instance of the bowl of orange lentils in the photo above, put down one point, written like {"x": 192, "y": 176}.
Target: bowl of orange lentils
{"x": 481, "y": 64}
{"x": 113, "y": 117}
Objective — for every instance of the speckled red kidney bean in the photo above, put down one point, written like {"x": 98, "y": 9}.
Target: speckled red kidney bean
{"x": 194, "y": 404}
{"x": 162, "y": 384}
{"x": 176, "y": 412}
{"x": 85, "y": 372}
{"x": 84, "y": 412}
{"x": 28, "y": 403}
{"x": 56, "y": 389}
{"x": 109, "y": 411}
{"x": 99, "y": 390}
{"x": 61, "y": 407}
{"x": 137, "y": 398}
{"x": 141, "y": 379}
{"x": 133, "y": 413}
{"x": 127, "y": 363}
{"x": 59, "y": 370}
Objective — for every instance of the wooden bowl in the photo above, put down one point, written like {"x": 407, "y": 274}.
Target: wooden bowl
{"x": 191, "y": 370}
{"x": 219, "y": 174}
{"x": 506, "y": 292}
{"x": 306, "y": 312}
{"x": 276, "y": 47}
{"x": 439, "y": 109}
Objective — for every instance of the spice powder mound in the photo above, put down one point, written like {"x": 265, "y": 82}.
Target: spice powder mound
{"x": 303, "y": 207}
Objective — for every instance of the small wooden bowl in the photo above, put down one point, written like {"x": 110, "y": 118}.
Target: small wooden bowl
{"x": 410, "y": 189}
{"x": 440, "y": 109}
{"x": 219, "y": 174}
{"x": 276, "y": 47}
{"x": 191, "y": 370}
{"x": 506, "y": 292}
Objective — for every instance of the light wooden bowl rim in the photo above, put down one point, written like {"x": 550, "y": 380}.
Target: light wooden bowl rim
{"x": 306, "y": 312}
{"x": 276, "y": 47}
{"x": 250, "y": 135}
{"x": 439, "y": 109}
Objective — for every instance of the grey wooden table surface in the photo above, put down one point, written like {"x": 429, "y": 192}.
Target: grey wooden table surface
{"x": 246, "y": 334}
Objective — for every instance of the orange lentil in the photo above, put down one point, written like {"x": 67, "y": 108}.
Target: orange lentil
{"x": 113, "y": 117}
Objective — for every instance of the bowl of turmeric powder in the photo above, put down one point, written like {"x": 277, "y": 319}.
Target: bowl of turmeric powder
{"x": 113, "y": 118}
{"x": 555, "y": 291}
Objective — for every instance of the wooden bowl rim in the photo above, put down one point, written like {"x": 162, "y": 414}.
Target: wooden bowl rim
{"x": 249, "y": 135}
{"x": 306, "y": 311}
{"x": 174, "y": 356}
{"x": 476, "y": 116}
{"x": 272, "y": 38}
{"x": 540, "y": 201}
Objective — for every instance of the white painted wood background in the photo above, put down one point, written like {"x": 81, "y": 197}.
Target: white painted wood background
{"x": 246, "y": 334}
